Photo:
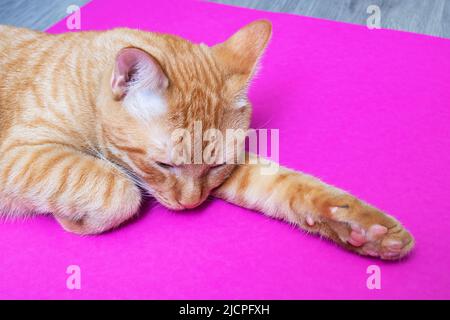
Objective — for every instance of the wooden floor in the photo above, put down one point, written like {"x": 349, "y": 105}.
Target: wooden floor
{"x": 35, "y": 14}
{"x": 430, "y": 17}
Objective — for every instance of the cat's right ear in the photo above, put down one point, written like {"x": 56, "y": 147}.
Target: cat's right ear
{"x": 136, "y": 69}
{"x": 242, "y": 51}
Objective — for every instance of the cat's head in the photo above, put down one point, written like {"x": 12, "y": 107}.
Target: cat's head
{"x": 159, "y": 100}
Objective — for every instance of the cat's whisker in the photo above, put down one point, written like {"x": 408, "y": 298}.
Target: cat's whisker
{"x": 264, "y": 126}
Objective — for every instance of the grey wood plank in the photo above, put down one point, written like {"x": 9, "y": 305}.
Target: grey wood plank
{"x": 446, "y": 19}
{"x": 430, "y": 17}
{"x": 38, "y": 15}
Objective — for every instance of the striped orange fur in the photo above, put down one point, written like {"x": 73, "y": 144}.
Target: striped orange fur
{"x": 85, "y": 122}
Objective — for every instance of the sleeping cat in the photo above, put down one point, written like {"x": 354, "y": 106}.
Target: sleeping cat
{"x": 85, "y": 132}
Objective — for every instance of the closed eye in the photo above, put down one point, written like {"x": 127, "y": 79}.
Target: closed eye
{"x": 164, "y": 165}
{"x": 216, "y": 166}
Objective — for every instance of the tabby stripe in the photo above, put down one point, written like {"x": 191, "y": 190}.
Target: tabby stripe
{"x": 63, "y": 182}
{"x": 128, "y": 149}
{"x": 83, "y": 80}
{"x": 244, "y": 179}
{"x": 184, "y": 74}
{"x": 38, "y": 70}
{"x": 40, "y": 122}
{"x": 9, "y": 167}
{"x": 83, "y": 175}
{"x": 36, "y": 154}
{"x": 49, "y": 165}
{"x": 56, "y": 83}
{"x": 171, "y": 72}
{"x": 71, "y": 93}
{"x": 205, "y": 74}
{"x": 61, "y": 117}
{"x": 19, "y": 48}
{"x": 296, "y": 194}
{"x": 91, "y": 99}
{"x": 212, "y": 67}
{"x": 33, "y": 144}
{"x": 109, "y": 190}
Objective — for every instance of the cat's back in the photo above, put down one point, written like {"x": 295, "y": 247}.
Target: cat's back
{"x": 17, "y": 48}
{"x": 10, "y": 35}
{"x": 13, "y": 39}
{"x": 15, "y": 57}
{"x": 40, "y": 70}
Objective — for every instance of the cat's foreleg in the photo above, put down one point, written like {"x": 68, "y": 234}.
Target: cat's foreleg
{"x": 318, "y": 208}
{"x": 85, "y": 194}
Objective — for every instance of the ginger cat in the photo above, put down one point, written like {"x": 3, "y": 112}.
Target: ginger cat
{"x": 85, "y": 126}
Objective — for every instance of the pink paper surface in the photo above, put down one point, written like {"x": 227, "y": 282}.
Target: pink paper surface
{"x": 366, "y": 110}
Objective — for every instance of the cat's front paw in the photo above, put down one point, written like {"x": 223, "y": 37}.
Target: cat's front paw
{"x": 365, "y": 229}
{"x": 98, "y": 215}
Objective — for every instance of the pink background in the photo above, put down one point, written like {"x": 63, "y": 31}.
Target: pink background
{"x": 366, "y": 110}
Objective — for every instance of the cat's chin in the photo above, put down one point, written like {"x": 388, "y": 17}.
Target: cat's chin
{"x": 179, "y": 207}
{"x": 170, "y": 206}
{"x": 174, "y": 208}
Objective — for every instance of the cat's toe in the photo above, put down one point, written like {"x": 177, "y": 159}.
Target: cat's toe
{"x": 357, "y": 237}
{"x": 379, "y": 241}
{"x": 397, "y": 243}
{"x": 72, "y": 226}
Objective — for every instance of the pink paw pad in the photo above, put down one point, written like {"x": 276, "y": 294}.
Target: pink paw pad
{"x": 393, "y": 245}
{"x": 358, "y": 236}
{"x": 376, "y": 231}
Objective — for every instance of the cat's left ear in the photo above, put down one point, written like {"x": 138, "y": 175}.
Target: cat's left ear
{"x": 242, "y": 51}
{"x": 136, "y": 69}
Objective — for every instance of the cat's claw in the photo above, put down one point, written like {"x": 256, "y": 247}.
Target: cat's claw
{"x": 310, "y": 221}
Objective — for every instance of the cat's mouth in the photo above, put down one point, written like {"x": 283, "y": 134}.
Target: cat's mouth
{"x": 177, "y": 206}
{"x": 170, "y": 205}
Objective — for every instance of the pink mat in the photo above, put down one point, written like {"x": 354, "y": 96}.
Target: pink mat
{"x": 366, "y": 110}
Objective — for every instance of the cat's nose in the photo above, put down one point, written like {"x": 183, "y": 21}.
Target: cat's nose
{"x": 189, "y": 204}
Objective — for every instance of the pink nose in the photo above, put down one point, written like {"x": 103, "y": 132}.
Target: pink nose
{"x": 190, "y": 205}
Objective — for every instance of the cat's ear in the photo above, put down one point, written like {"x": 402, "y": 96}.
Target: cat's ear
{"x": 136, "y": 69}
{"x": 242, "y": 51}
